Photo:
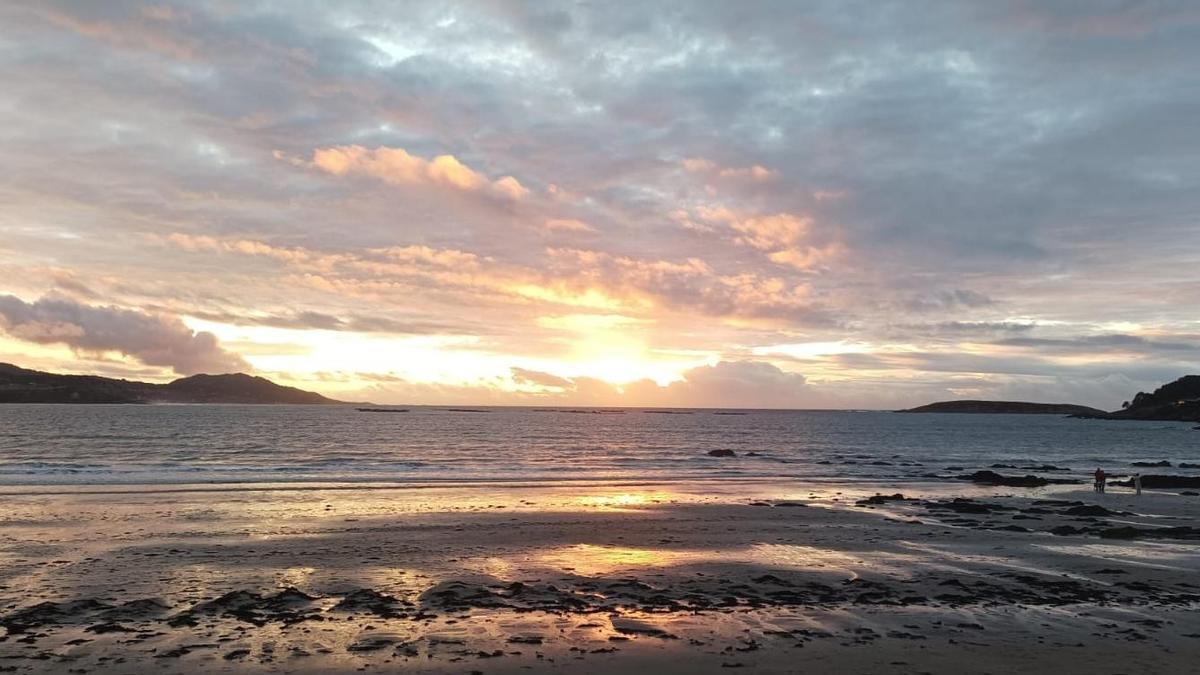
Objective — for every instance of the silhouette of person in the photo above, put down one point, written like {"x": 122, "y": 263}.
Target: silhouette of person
{"x": 1101, "y": 479}
{"x": 1137, "y": 483}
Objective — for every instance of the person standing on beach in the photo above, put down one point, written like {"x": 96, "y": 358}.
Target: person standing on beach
{"x": 1101, "y": 478}
{"x": 1137, "y": 483}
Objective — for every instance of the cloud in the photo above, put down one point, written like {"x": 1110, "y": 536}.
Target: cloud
{"x": 924, "y": 182}
{"x": 156, "y": 340}
{"x": 756, "y": 172}
{"x": 783, "y": 236}
{"x": 348, "y": 321}
{"x": 537, "y": 378}
{"x": 397, "y": 166}
{"x": 743, "y": 384}
{"x": 1113, "y": 343}
{"x": 568, "y": 225}
{"x": 751, "y": 384}
{"x": 948, "y": 300}
{"x": 571, "y": 277}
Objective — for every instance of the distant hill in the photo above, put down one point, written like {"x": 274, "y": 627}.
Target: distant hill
{"x": 19, "y": 385}
{"x": 1006, "y": 408}
{"x": 1175, "y": 401}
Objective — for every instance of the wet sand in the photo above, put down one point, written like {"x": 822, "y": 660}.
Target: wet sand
{"x": 765, "y": 577}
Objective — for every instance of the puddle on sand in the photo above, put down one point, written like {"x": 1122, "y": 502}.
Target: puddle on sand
{"x": 594, "y": 560}
{"x": 1145, "y": 554}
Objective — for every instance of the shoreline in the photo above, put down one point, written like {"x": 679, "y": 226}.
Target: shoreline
{"x": 600, "y": 578}
{"x": 924, "y": 484}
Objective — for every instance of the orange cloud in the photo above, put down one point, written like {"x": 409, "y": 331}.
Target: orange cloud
{"x": 756, "y": 172}
{"x": 573, "y": 278}
{"x": 784, "y": 237}
{"x": 568, "y": 225}
{"x": 398, "y": 166}
{"x": 190, "y": 242}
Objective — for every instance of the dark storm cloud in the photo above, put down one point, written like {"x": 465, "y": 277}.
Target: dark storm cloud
{"x": 155, "y": 340}
{"x": 1108, "y": 343}
{"x": 305, "y": 320}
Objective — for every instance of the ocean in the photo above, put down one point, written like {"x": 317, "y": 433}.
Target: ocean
{"x": 186, "y": 444}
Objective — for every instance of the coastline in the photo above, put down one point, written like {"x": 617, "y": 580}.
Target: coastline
{"x": 676, "y": 577}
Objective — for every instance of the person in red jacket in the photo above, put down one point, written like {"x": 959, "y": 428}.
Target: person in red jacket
{"x": 1101, "y": 479}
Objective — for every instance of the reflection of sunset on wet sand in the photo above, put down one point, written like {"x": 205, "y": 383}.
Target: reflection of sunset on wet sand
{"x": 592, "y": 560}
{"x": 360, "y": 577}
{"x": 624, "y": 500}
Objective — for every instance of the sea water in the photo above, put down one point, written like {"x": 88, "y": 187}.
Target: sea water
{"x": 178, "y": 444}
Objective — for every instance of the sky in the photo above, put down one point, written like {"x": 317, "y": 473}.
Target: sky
{"x": 752, "y": 204}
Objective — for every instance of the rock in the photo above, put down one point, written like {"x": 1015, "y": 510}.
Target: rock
{"x": 107, "y": 627}
{"x": 1151, "y": 482}
{"x": 1090, "y": 510}
{"x": 251, "y": 607}
{"x": 288, "y": 598}
{"x": 136, "y": 610}
{"x": 961, "y": 505}
{"x": 1065, "y": 530}
{"x": 1126, "y": 532}
{"x": 723, "y": 452}
{"x": 771, "y": 579}
{"x": 369, "y": 601}
{"x": 453, "y": 595}
{"x": 993, "y": 478}
{"x": 875, "y": 500}
{"x": 630, "y": 626}
{"x": 372, "y": 643}
{"x": 49, "y": 613}
{"x": 1184, "y": 532}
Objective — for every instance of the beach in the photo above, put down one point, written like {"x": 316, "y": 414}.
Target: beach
{"x": 677, "y": 576}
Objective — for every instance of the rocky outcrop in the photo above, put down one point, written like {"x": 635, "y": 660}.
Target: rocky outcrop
{"x": 1005, "y": 408}
{"x": 1175, "y": 401}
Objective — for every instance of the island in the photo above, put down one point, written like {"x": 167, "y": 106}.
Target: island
{"x": 20, "y": 385}
{"x": 1006, "y": 408}
{"x": 1177, "y": 401}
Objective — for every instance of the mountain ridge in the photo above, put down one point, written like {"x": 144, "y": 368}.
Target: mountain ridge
{"x": 22, "y": 385}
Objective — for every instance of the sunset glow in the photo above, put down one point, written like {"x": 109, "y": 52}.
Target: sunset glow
{"x": 400, "y": 206}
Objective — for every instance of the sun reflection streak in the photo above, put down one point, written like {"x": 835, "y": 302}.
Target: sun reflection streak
{"x": 624, "y": 501}
{"x": 600, "y": 560}
{"x": 594, "y": 560}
